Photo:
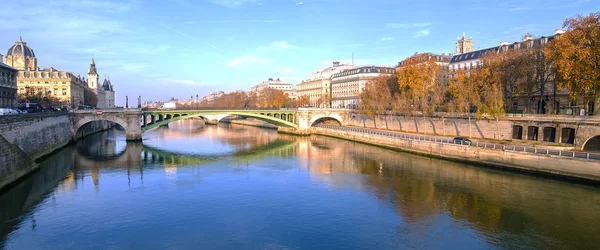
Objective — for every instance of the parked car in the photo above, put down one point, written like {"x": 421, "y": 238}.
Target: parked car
{"x": 462, "y": 140}
{"x": 4, "y": 111}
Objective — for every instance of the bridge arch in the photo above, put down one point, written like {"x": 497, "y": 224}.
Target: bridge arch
{"x": 269, "y": 117}
{"x": 592, "y": 144}
{"x": 87, "y": 119}
{"x": 319, "y": 119}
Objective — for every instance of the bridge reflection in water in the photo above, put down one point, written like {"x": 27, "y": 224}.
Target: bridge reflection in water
{"x": 501, "y": 209}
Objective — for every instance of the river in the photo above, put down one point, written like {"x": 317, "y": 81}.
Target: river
{"x": 237, "y": 187}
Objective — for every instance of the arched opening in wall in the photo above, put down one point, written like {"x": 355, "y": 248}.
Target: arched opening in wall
{"x": 102, "y": 145}
{"x": 327, "y": 121}
{"x": 532, "y": 133}
{"x": 517, "y": 132}
{"x": 592, "y": 144}
{"x": 591, "y": 104}
{"x": 93, "y": 127}
{"x": 550, "y": 134}
{"x": 567, "y": 136}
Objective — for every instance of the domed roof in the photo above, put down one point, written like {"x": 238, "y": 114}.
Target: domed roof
{"x": 20, "y": 48}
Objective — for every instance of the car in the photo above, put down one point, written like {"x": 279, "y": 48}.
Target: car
{"x": 461, "y": 140}
{"x": 5, "y": 111}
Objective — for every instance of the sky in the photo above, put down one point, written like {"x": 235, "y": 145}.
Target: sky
{"x": 160, "y": 49}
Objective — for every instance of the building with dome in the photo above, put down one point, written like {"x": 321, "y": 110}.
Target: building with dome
{"x": 68, "y": 88}
{"x": 31, "y": 80}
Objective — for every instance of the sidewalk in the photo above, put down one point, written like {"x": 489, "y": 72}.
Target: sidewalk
{"x": 521, "y": 143}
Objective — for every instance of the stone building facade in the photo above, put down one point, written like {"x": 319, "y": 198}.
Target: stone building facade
{"x": 8, "y": 86}
{"x": 467, "y": 59}
{"x": 109, "y": 93}
{"x": 347, "y": 85}
{"x": 318, "y": 86}
{"x": 31, "y": 80}
{"x": 275, "y": 84}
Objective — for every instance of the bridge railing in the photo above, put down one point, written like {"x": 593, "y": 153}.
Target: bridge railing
{"x": 487, "y": 145}
{"x": 220, "y": 108}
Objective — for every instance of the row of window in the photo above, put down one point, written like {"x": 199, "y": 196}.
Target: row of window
{"x": 549, "y": 134}
{"x": 42, "y": 91}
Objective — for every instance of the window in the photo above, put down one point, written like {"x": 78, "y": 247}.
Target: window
{"x": 55, "y": 91}
{"x": 517, "y": 132}
{"x": 64, "y": 91}
{"x": 549, "y": 134}
{"x": 532, "y": 133}
{"x": 568, "y": 136}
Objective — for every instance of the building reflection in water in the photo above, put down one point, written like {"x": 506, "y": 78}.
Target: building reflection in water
{"x": 498, "y": 205}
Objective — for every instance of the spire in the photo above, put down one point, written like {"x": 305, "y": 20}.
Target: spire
{"x": 92, "y": 69}
{"x": 464, "y": 35}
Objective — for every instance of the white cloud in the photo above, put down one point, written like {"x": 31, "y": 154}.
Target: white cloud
{"x": 383, "y": 39}
{"x": 283, "y": 45}
{"x": 421, "y": 33}
{"x": 407, "y": 25}
{"x": 299, "y": 3}
{"x": 180, "y": 81}
{"x": 236, "y": 3}
{"x": 247, "y": 60}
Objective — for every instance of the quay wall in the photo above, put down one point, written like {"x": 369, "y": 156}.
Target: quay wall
{"x": 25, "y": 139}
{"x": 580, "y": 169}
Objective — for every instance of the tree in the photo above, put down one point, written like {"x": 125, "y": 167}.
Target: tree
{"x": 376, "y": 98}
{"x": 576, "y": 56}
{"x": 89, "y": 97}
{"x": 272, "y": 98}
{"x": 303, "y": 101}
{"x": 417, "y": 80}
{"x": 464, "y": 94}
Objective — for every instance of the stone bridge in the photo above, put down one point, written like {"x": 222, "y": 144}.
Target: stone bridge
{"x": 135, "y": 121}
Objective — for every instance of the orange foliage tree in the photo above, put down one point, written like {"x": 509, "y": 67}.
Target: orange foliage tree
{"x": 576, "y": 56}
{"x": 418, "y": 80}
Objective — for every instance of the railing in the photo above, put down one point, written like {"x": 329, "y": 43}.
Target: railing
{"x": 488, "y": 145}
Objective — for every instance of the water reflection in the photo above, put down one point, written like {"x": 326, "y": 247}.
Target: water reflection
{"x": 367, "y": 197}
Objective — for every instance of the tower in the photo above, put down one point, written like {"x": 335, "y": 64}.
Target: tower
{"x": 464, "y": 45}
{"x": 93, "y": 77}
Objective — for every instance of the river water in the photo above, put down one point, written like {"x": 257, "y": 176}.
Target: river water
{"x": 237, "y": 187}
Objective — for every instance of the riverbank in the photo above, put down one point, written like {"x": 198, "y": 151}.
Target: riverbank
{"x": 549, "y": 165}
{"x": 28, "y": 139}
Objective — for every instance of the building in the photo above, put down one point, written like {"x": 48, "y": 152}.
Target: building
{"x": 347, "y": 85}
{"x": 275, "y": 84}
{"x": 8, "y": 86}
{"x": 31, "y": 80}
{"x": 467, "y": 59}
{"x": 318, "y": 86}
{"x": 93, "y": 85}
{"x": 109, "y": 93}
{"x": 212, "y": 96}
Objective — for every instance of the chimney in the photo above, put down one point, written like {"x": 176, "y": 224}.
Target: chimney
{"x": 270, "y": 79}
{"x": 559, "y": 32}
{"x": 336, "y": 63}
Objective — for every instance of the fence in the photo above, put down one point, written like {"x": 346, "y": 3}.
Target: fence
{"x": 494, "y": 146}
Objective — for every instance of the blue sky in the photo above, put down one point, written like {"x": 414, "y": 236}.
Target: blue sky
{"x": 176, "y": 48}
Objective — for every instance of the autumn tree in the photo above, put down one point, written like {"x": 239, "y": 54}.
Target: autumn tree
{"x": 576, "y": 56}
{"x": 303, "y": 101}
{"x": 463, "y": 94}
{"x": 417, "y": 80}
{"x": 271, "y": 98}
{"x": 89, "y": 98}
{"x": 376, "y": 98}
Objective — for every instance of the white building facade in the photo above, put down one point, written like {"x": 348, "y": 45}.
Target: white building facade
{"x": 318, "y": 86}
{"x": 347, "y": 85}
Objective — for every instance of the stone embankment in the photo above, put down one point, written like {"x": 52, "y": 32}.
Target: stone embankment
{"x": 25, "y": 139}
{"x": 572, "y": 168}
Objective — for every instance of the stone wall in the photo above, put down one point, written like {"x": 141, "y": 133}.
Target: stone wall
{"x": 37, "y": 134}
{"x": 582, "y": 169}
{"x": 26, "y": 138}
{"x": 455, "y": 126}
{"x": 14, "y": 163}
